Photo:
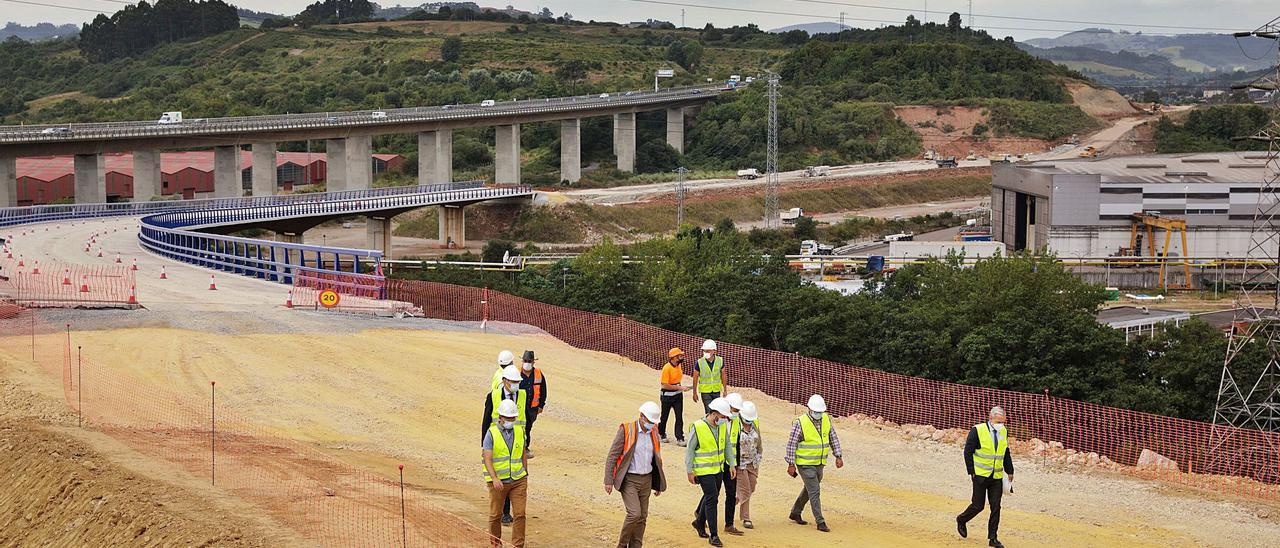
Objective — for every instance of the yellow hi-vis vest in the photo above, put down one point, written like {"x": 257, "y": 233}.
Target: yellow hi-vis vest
{"x": 735, "y": 429}
{"x": 522, "y": 398}
{"x": 816, "y": 445}
{"x": 709, "y": 375}
{"x": 496, "y": 382}
{"x": 508, "y": 462}
{"x": 709, "y": 458}
{"x": 988, "y": 460}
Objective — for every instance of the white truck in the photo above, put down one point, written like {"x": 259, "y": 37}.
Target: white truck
{"x": 812, "y": 247}
{"x": 170, "y": 118}
{"x": 752, "y": 173}
{"x": 816, "y": 171}
{"x": 791, "y": 215}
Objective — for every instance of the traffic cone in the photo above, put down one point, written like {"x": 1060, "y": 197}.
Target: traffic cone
{"x": 134, "y": 266}
{"x": 99, "y": 252}
{"x": 162, "y": 274}
{"x": 86, "y": 248}
{"x": 20, "y": 261}
{"x": 288, "y": 303}
{"x": 212, "y": 286}
{"x": 84, "y": 284}
{"x": 133, "y": 294}
{"x": 35, "y": 269}
{"x": 66, "y": 277}
{"x": 118, "y": 261}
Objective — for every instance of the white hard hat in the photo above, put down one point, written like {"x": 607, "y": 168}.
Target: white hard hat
{"x": 735, "y": 400}
{"x": 721, "y": 406}
{"x": 709, "y": 345}
{"x": 512, "y": 373}
{"x": 506, "y": 358}
{"x": 651, "y": 411}
{"x": 749, "y": 411}
{"x": 817, "y": 404}
{"x": 508, "y": 409}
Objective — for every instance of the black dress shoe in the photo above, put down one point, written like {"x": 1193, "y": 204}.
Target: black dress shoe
{"x": 995, "y": 543}
{"x": 823, "y": 527}
{"x": 796, "y": 518}
{"x": 715, "y": 541}
{"x": 702, "y": 531}
{"x": 962, "y": 528}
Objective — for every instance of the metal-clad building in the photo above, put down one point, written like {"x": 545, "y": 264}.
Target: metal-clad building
{"x": 1085, "y": 207}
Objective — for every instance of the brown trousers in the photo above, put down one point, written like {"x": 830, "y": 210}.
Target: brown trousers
{"x": 517, "y": 491}
{"x": 636, "y": 489}
{"x": 747, "y": 476}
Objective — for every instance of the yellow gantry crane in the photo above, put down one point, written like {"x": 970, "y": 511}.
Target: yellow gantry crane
{"x": 1149, "y": 223}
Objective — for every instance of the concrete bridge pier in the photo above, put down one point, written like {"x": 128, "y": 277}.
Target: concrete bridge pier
{"x": 435, "y": 157}
{"x": 8, "y": 181}
{"x": 335, "y": 158}
{"x": 264, "y": 169}
{"x": 146, "y": 175}
{"x": 379, "y": 232}
{"x": 571, "y": 150}
{"x": 453, "y": 232}
{"x": 507, "y": 155}
{"x": 226, "y": 172}
{"x": 293, "y": 257}
{"x": 91, "y": 179}
{"x": 624, "y": 140}
{"x": 675, "y": 129}
{"x": 359, "y": 163}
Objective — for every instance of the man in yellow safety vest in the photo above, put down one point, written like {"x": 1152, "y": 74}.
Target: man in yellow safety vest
{"x": 709, "y": 376}
{"x": 986, "y": 455}
{"x": 705, "y": 459}
{"x": 506, "y": 471}
{"x": 812, "y": 439}
{"x": 508, "y": 390}
{"x": 505, "y": 358}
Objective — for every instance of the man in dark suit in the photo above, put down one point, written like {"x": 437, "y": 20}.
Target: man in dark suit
{"x": 634, "y": 468}
{"x": 986, "y": 456}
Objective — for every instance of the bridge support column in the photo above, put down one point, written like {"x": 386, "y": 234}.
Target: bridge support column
{"x": 8, "y": 181}
{"x": 91, "y": 179}
{"x": 507, "y": 158}
{"x": 571, "y": 150}
{"x": 624, "y": 140}
{"x": 335, "y": 158}
{"x": 380, "y": 235}
{"x": 435, "y": 157}
{"x": 146, "y": 175}
{"x": 264, "y": 169}
{"x": 292, "y": 257}
{"x": 227, "y": 176}
{"x": 453, "y": 231}
{"x": 359, "y": 162}
{"x": 675, "y": 129}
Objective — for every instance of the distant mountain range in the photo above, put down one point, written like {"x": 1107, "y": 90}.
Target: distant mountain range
{"x": 39, "y": 31}
{"x": 1112, "y": 57}
{"x": 826, "y": 27}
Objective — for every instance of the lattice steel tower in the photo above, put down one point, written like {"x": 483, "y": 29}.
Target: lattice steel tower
{"x": 681, "y": 189}
{"x": 1248, "y": 400}
{"x": 771, "y": 219}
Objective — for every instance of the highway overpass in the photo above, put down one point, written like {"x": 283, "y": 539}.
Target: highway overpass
{"x": 347, "y": 137}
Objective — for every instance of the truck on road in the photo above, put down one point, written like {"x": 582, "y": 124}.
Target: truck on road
{"x": 170, "y": 118}
{"x": 791, "y": 215}
{"x": 751, "y": 173}
{"x": 816, "y": 171}
{"x": 949, "y": 161}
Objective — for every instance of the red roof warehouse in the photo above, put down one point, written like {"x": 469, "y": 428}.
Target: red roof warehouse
{"x": 49, "y": 179}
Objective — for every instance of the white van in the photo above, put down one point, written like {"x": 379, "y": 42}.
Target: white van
{"x": 487, "y": 103}
{"x": 378, "y": 114}
{"x": 170, "y": 118}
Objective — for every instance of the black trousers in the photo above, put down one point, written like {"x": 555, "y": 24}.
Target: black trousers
{"x": 730, "y": 496}
{"x": 707, "y": 511}
{"x": 530, "y": 418}
{"x": 992, "y": 490}
{"x": 672, "y": 403}
{"x": 706, "y": 398}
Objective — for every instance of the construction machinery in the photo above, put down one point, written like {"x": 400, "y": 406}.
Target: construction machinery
{"x": 1142, "y": 231}
{"x": 1089, "y": 152}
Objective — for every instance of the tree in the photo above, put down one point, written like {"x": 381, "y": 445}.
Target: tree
{"x": 712, "y": 34}
{"x": 656, "y": 156}
{"x": 451, "y": 49}
{"x": 572, "y": 71}
{"x": 805, "y": 228}
{"x": 953, "y": 23}
{"x": 1150, "y": 96}
{"x": 494, "y": 250}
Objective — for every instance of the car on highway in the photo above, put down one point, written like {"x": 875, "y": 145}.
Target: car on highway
{"x": 331, "y": 120}
{"x": 378, "y": 114}
{"x": 696, "y": 90}
{"x": 446, "y": 107}
{"x": 604, "y": 95}
{"x": 55, "y": 131}
{"x": 487, "y": 103}
{"x": 628, "y": 94}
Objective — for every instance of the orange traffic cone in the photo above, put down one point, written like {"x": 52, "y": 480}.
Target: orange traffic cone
{"x": 20, "y": 261}
{"x": 288, "y": 303}
{"x": 118, "y": 261}
{"x": 133, "y": 294}
{"x": 86, "y": 248}
{"x": 84, "y": 284}
{"x": 212, "y": 286}
{"x": 162, "y": 274}
{"x": 66, "y": 277}
{"x": 36, "y": 268}
{"x": 134, "y": 266}
{"x": 99, "y": 252}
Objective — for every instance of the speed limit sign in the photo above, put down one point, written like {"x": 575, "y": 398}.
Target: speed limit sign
{"x": 329, "y": 298}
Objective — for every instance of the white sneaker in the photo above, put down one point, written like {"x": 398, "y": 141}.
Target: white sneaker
{"x": 666, "y": 439}
{"x": 681, "y": 443}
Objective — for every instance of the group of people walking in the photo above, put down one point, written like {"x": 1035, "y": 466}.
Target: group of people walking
{"x": 723, "y": 451}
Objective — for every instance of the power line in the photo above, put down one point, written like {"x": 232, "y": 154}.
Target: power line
{"x": 42, "y": 4}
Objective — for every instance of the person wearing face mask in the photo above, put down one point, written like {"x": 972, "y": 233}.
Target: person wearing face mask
{"x": 812, "y": 439}
{"x": 987, "y": 458}
{"x": 750, "y": 451}
{"x": 705, "y": 459}
{"x": 709, "y": 376}
{"x": 729, "y": 480}
{"x": 672, "y": 395}
{"x": 506, "y": 471}
{"x": 505, "y": 358}
{"x": 508, "y": 390}
{"x": 634, "y": 467}
{"x": 533, "y": 382}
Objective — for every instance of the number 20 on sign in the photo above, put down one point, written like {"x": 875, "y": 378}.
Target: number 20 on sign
{"x": 329, "y": 298}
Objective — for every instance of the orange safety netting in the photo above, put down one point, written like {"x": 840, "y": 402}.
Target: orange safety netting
{"x": 56, "y": 284}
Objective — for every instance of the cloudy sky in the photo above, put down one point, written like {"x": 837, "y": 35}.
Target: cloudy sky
{"x": 1160, "y": 16}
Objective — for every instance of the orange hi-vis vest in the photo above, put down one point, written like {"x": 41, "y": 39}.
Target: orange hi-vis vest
{"x": 629, "y": 431}
{"x": 537, "y": 388}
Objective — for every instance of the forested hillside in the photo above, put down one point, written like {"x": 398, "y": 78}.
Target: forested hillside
{"x": 1213, "y": 129}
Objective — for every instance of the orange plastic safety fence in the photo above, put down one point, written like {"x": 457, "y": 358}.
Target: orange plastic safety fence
{"x": 36, "y": 283}
{"x": 1228, "y": 460}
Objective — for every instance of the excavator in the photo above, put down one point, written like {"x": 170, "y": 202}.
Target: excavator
{"x": 1143, "y": 231}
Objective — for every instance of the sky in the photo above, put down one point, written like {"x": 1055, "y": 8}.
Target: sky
{"x": 1189, "y": 15}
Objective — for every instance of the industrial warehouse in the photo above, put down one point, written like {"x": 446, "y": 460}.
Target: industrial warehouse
{"x": 1088, "y": 208}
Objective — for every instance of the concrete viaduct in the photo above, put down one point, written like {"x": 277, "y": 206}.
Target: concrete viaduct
{"x": 348, "y": 137}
